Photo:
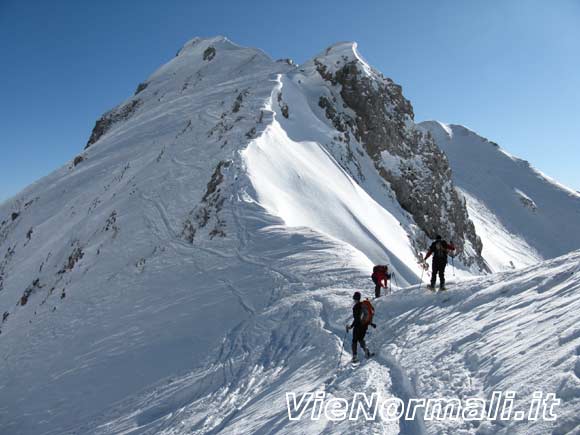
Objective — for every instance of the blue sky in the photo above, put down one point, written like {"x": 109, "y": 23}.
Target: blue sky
{"x": 508, "y": 69}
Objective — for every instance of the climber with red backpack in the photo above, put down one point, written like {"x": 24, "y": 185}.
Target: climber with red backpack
{"x": 380, "y": 277}
{"x": 362, "y": 313}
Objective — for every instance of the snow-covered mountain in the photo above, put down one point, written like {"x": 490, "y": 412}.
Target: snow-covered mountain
{"x": 521, "y": 215}
{"x": 197, "y": 260}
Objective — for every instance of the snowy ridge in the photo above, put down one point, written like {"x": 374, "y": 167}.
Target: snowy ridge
{"x": 197, "y": 260}
{"x": 291, "y": 176}
{"x": 509, "y": 200}
{"x": 342, "y": 53}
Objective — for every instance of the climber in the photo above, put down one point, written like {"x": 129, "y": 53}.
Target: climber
{"x": 439, "y": 249}
{"x": 362, "y": 313}
{"x": 380, "y": 277}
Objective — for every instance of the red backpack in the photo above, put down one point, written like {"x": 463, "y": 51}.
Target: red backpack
{"x": 368, "y": 311}
{"x": 380, "y": 273}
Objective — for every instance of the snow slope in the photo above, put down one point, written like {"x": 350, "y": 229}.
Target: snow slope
{"x": 197, "y": 261}
{"x": 514, "y": 331}
{"x": 520, "y": 214}
{"x": 298, "y": 179}
{"x": 117, "y": 297}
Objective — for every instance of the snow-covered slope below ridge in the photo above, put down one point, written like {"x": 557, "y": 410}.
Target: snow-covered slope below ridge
{"x": 520, "y": 214}
{"x": 511, "y": 331}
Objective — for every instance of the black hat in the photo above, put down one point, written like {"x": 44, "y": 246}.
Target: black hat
{"x": 438, "y": 237}
{"x": 356, "y": 296}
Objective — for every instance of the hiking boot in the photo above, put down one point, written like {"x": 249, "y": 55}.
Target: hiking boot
{"x": 354, "y": 359}
{"x": 442, "y": 288}
{"x": 368, "y": 353}
{"x": 431, "y": 287}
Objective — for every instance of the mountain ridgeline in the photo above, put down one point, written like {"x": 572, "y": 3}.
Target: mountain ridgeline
{"x": 368, "y": 113}
{"x": 198, "y": 256}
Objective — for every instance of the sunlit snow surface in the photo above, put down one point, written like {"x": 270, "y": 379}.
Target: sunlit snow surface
{"x": 520, "y": 214}
{"x": 131, "y": 328}
{"x": 515, "y": 331}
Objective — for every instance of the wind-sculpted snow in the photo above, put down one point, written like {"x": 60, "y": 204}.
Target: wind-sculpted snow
{"x": 513, "y": 331}
{"x": 197, "y": 261}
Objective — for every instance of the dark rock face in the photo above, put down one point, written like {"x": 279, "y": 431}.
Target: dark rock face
{"x": 283, "y": 106}
{"x": 331, "y": 113}
{"x": 106, "y": 121}
{"x": 407, "y": 158}
{"x": 286, "y": 60}
{"x": 76, "y": 255}
{"x": 141, "y": 87}
{"x": 209, "y": 53}
{"x": 208, "y": 210}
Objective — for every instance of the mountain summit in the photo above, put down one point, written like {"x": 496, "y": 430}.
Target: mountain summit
{"x": 197, "y": 258}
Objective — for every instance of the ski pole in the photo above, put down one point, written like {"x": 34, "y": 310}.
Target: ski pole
{"x": 422, "y": 272}
{"x": 453, "y": 264}
{"x": 342, "y": 349}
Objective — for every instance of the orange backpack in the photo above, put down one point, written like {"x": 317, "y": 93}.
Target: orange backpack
{"x": 368, "y": 312}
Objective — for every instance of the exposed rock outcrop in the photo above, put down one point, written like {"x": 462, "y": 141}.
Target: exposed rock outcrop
{"x": 106, "y": 121}
{"x": 372, "y": 109}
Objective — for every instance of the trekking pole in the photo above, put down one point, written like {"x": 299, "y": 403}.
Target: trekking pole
{"x": 453, "y": 264}
{"x": 396, "y": 282}
{"x": 341, "y": 350}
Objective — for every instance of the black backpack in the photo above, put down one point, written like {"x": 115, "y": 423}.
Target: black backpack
{"x": 440, "y": 250}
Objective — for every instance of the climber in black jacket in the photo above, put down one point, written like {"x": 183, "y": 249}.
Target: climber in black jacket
{"x": 439, "y": 249}
{"x": 359, "y": 327}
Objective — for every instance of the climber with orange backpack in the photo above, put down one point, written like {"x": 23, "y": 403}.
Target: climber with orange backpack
{"x": 362, "y": 313}
{"x": 380, "y": 277}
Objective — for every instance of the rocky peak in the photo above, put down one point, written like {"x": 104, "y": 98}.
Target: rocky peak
{"x": 380, "y": 118}
{"x": 338, "y": 55}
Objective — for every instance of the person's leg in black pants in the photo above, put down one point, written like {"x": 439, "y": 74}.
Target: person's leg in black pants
{"x": 433, "y": 274}
{"x": 442, "y": 275}
{"x": 358, "y": 336}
